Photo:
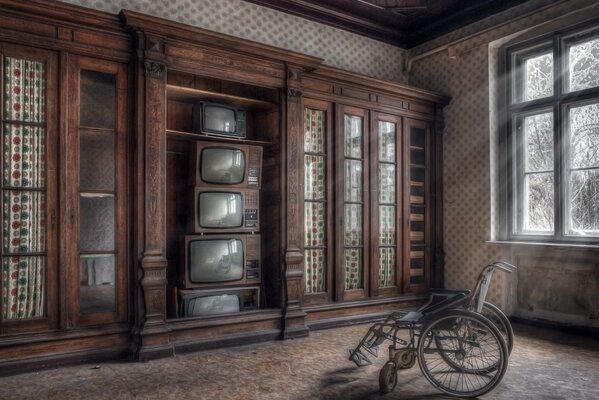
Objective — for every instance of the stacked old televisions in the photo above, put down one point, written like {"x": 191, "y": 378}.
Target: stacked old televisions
{"x": 221, "y": 268}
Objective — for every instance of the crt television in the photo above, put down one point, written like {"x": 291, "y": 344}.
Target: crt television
{"x": 201, "y": 303}
{"x": 225, "y": 210}
{"x": 218, "y": 260}
{"x": 226, "y": 165}
{"x": 219, "y": 119}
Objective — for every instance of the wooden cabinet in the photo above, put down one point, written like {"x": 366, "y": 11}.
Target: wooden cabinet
{"x": 370, "y": 166}
{"x": 337, "y": 213}
{"x": 65, "y": 187}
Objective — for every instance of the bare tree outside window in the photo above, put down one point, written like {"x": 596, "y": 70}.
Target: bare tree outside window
{"x": 549, "y": 185}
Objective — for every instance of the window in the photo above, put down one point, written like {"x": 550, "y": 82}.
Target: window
{"x": 553, "y": 138}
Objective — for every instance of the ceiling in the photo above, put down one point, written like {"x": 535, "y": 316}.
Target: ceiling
{"x": 404, "y": 23}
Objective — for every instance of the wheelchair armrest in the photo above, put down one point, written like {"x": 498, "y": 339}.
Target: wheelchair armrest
{"x": 447, "y": 302}
{"x": 436, "y": 291}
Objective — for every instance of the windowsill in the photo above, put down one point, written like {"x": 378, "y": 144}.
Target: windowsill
{"x": 544, "y": 244}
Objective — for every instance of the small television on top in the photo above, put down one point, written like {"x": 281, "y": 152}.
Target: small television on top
{"x": 201, "y": 303}
{"x": 225, "y": 210}
{"x": 219, "y": 119}
{"x": 218, "y": 260}
{"x": 226, "y": 165}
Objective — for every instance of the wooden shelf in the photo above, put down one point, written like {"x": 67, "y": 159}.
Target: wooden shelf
{"x": 191, "y": 95}
{"x": 212, "y": 138}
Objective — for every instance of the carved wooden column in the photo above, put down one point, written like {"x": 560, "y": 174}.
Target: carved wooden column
{"x": 153, "y": 334}
{"x": 294, "y": 322}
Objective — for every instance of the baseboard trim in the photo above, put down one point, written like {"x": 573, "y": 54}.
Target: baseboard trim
{"x": 557, "y": 326}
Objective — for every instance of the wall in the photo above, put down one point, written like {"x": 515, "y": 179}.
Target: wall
{"x": 553, "y": 283}
{"x": 337, "y": 47}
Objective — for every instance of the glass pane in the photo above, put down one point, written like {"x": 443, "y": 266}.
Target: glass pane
{"x": 22, "y": 287}
{"x": 584, "y": 202}
{"x": 96, "y": 231}
{"x": 386, "y": 225}
{"x": 386, "y": 183}
{"x": 386, "y": 141}
{"x": 353, "y": 136}
{"x": 23, "y": 221}
{"x": 353, "y": 180}
{"x": 24, "y": 90}
{"x": 315, "y": 263}
{"x": 584, "y": 136}
{"x": 353, "y": 225}
{"x": 24, "y": 156}
{"x": 315, "y": 227}
{"x": 314, "y": 174}
{"x": 417, "y": 137}
{"x": 538, "y": 77}
{"x": 96, "y": 283}
{"x": 98, "y": 99}
{"x": 353, "y": 268}
{"x": 538, "y": 141}
{"x": 386, "y": 267}
{"x": 96, "y": 165}
{"x": 314, "y": 126}
{"x": 538, "y": 202}
{"x": 583, "y": 62}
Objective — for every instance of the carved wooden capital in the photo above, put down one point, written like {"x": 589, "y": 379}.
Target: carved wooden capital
{"x": 294, "y": 94}
{"x": 155, "y": 69}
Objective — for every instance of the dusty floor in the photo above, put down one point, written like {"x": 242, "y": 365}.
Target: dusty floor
{"x": 545, "y": 365}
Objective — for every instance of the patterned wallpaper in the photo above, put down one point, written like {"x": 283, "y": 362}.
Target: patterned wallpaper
{"x": 337, "y": 47}
{"x": 470, "y": 151}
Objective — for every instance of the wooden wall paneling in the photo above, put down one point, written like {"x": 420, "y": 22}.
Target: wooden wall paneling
{"x": 154, "y": 333}
{"x": 294, "y": 325}
{"x": 438, "y": 262}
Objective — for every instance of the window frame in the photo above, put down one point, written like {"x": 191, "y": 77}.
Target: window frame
{"x": 560, "y": 102}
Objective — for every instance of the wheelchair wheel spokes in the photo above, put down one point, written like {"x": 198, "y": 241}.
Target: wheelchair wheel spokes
{"x": 462, "y": 354}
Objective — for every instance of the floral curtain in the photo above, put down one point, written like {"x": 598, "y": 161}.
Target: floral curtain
{"x": 315, "y": 202}
{"x": 23, "y": 189}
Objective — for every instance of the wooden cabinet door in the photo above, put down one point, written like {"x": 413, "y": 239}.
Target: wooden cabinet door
{"x": 417, "y": 205}
{"x": 352, "y": 211}
{"x": 29, "y": 277}
{"x": 318, "y": 211}
{"x": 386, "y": 201}
{"x": 96, "y": 187}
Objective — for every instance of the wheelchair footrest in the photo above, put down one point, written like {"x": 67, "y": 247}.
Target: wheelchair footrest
{"x": 359, "y": 358}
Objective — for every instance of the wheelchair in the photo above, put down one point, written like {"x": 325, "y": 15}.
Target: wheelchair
{"x": 462, "y": 343}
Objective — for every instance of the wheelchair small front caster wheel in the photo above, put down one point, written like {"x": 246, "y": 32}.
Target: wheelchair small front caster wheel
{"x": 388, "y": 377}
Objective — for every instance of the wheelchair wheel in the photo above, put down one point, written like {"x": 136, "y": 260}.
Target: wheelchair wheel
{"x": 388, "y": 377}
{"x": 462, "y": 354}
{"x": 499, "y": 319}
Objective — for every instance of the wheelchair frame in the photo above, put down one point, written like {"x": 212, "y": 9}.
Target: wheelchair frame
{"x": 455, "y": 321}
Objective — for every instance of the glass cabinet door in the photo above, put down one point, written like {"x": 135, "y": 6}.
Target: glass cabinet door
{"x": 352, "y": 139}
{"x": 318, "y": 274}
{"x": 28, "y": 128}
{"x": 98, "y": 123}
{"x": 386, "y": 208}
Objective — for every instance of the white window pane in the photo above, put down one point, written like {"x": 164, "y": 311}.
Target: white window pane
{"x": 583, "y": 63}
{"x": 538, "y": 77}
{"x": 584, "y": 136}
{"x": 584, "y": 202}
{"x": 538, "y": 142}
{"x": 538, "y": 203}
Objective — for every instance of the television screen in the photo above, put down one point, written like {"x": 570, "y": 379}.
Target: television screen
{"x": 222, "y": 165}
{"x": 212, "y": 305}
{"x": 220, "y": 210}
{"x": 218, "y": 260}
{"x": 219, "y": 119}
